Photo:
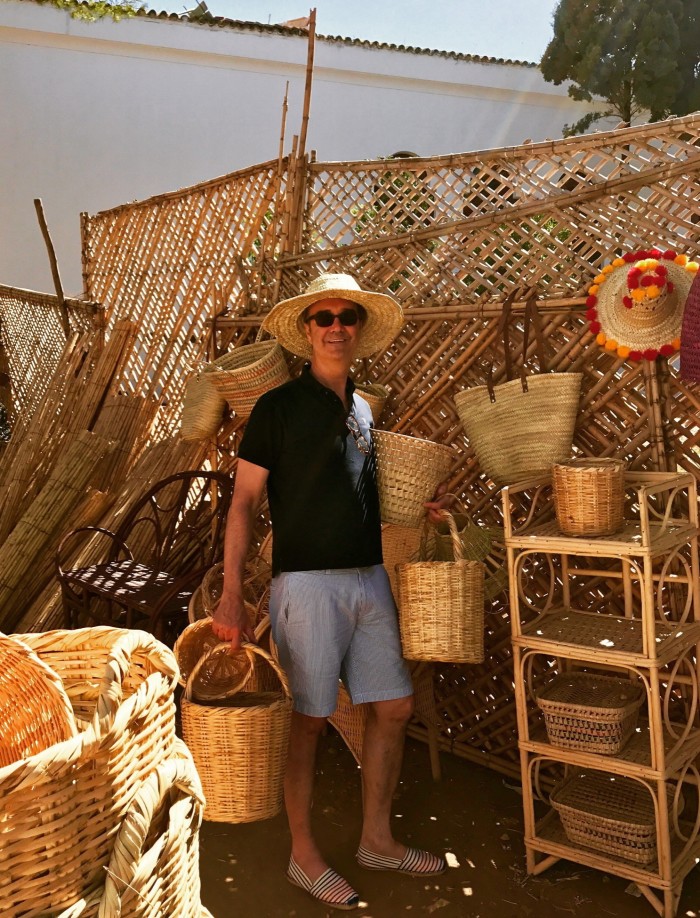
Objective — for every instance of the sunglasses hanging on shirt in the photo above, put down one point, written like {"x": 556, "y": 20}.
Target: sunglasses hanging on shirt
{"x": 360, "y": 439}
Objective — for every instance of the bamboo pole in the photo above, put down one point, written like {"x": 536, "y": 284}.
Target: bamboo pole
{"x": 63, "y": 310}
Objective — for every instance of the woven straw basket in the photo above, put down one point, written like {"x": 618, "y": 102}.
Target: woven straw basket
{"x": 35, "y": 711}
{"x": 590, "y": 712}
{"x": 375, "y": 395}
{"x": 589, "y": 496}
{"x": 240, "y": 746}
{"x": 610, "y": 813}
{"x": 408, "y": 472}
{"x": 203, "y": 408}
{"x": 441, "y": 608}
{"x": 522, "y": 433}
{"x": 220, "y": 675}
{"x": 62, "y": 807}
{"x": 245, "y": 373}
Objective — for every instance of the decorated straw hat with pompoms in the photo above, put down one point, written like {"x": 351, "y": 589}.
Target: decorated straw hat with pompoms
{"x": 635, "y": 306}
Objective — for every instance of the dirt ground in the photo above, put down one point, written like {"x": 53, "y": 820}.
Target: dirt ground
{"x": 472, "y": 813}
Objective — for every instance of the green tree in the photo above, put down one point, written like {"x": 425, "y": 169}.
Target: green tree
{"x": 637, "y": 55}
{"x": 90, "y": 10}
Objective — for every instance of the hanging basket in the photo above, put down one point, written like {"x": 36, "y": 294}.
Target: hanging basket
{"x": 203, "y": 408}
{"x": 247, "y": 372}
{"x": 408, "y": 472}
{"x": 589, "y": 496}
{"x": 240, "y": 746}
{"x": 375, "y": 395}
{"x": 441, "y": 608}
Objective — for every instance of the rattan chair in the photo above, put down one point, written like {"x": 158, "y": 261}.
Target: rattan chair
{"x": 153, "y": 562}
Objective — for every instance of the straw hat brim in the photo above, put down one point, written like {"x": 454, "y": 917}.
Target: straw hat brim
{"x": 618, "y": 323}
{"x": 383, "y": 323}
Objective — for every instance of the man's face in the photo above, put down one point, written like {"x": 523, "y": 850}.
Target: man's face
{"x": 337, "y": 341}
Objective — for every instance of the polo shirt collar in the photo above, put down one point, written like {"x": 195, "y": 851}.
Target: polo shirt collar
{"x": 309, "y": 380}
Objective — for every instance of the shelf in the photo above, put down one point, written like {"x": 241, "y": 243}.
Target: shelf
{"x": 633, "y": 760}
{"x": 546, "y": 537}
{"x": 590, "y": 636}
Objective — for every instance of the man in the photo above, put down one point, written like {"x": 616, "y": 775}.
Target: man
{"x": 331, "y": 608}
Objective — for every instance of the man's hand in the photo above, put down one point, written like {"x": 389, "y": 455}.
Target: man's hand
{"x": 230, "y": 622}
{"x": 440, "y": 501}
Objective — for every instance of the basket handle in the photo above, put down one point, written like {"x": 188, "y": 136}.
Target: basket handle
{"x": 251, "y": 650}
{"x": 457, "y": 545}
{"x": 532, "y": 317}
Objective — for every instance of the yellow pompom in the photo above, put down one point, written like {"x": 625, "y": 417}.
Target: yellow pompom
{"x": 601, "y": 338}
{"x": 600, "y": 279}
{"x": 619, "y": 262}
{"x": 623, "y": 351}
{"x": 652, "y": 263}
{"x": 638, "y": 294}
{"x": 607, "y": 269}
{"x": 593, "y": 290}
{"x": 692, "y": 266}
{"x": 676, "y": 344}
{"x": 643, "y": 264}
{"x": 653, "y": 291}
{"x": 680, "y": 260}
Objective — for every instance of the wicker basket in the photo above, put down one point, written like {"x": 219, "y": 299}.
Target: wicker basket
{"x": 203, "y": 408}
{"x": 375, "y": 395}
{"x": 610, "y": 813}
{"x": 590, "y": 712}
{"x": 63, "y": 806}
{"x": 245, "y": 373}
{"x": 220, "y": 675}
{"x": 195, "y": 607}
{"x": 35, "y": 711}
{"x": 589, "y": 496}
{"x": 441, "y": 608}
{"x": 240, "y": 747}
{"x": 408, "y": 472}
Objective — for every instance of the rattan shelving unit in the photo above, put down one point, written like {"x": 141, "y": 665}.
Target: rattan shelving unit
{"x": 626, "y": 605}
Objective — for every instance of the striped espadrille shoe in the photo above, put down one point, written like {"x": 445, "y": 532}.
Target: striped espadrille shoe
{"x": 415, "y": 862}
{"x": 330, "y": 888}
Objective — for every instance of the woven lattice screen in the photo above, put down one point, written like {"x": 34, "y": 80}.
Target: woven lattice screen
{"x": 450, "y": 237}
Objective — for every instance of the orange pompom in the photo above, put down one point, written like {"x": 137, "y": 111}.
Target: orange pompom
{"x": 681, "y": 259}
{"x": 601, "y": 337}
{"x": 638, "y": 294}
{"x": 611, "y": 345}
{"x": 600, "y": 279}
{"x": 623, "y": 351}
{"x": 676, "y": 344}
{"x": 593, "y": 290}
{"x": 618, "y": 262}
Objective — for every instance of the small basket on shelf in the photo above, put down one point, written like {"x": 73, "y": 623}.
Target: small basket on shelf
{"x": 589, "y": 496}
{"x": 590, "y": 712}
{"x": 611, "y": 813}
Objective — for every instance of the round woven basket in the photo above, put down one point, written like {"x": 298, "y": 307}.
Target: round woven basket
{"x": 35, "y": 711}
{"x": 589, "y": 496}
{"x": 375, "y": 395}
{"x": 408, "y": 472}
{"x": 244, "y": 374}
{"x": 220, "y": 675}
{"x": 441, "y": 608}
{"x": 195, "y": 607}
{"x": 240, "y": 746}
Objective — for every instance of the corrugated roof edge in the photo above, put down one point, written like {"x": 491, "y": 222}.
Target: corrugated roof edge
{"x": 222, "y": 22}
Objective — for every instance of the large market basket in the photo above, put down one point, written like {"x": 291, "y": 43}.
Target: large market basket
{"x": 409, "y": 470}
{"x": 239, "y": 745}
{"x": 62, "y": 807}
{"x": 441, "y": 607}
{"x": 246, "y": 372}
{"x": 35, "y": 711}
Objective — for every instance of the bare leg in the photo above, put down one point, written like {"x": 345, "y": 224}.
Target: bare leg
{"x": 382, "y": 753}
{"x": 298, "y": 791}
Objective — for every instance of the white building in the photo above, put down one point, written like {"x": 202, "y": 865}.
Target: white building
{"x": 97, "y": 114}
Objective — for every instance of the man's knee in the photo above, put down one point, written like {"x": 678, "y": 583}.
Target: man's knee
{"x": 397, "y": 711}
{"x": 306, "y": 726}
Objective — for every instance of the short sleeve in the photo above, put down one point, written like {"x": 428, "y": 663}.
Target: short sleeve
{"x": 260, "y": 443}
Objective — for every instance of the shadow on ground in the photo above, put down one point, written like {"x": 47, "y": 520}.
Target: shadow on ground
{"x": 473, "y": 813}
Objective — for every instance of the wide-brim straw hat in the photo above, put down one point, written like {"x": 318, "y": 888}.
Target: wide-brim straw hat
{"x": 383, "y": 323}
{"x": 635, "y": 306}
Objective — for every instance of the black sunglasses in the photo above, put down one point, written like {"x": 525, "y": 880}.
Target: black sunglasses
{"x": 324, "y": 318}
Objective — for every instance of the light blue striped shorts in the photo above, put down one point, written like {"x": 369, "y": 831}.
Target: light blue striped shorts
{"x": 338, "y": 624}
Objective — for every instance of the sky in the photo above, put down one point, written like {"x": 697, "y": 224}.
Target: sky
{"x": 516, "y": 29}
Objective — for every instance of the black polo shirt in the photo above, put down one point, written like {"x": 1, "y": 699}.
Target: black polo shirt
{"x": 321, "y": 490}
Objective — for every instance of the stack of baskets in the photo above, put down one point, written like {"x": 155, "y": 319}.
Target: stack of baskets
{"x": 589, "y": 496}
{"x": 237, "y": 732}
{"x": 65, "y": 806}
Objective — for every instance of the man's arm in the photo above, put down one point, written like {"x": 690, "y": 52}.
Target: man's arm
{"x": 230, "y": 620}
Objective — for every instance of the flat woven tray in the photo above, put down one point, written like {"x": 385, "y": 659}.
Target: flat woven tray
{"x": 590, "y": 712}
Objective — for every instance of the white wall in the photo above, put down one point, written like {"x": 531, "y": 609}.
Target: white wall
{"x": 96, "y": 114}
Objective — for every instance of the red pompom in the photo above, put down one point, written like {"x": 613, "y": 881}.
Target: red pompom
{"x": 591, "y": 314}
{"x": 591, "y": 301}
{"x": 650, "y": 354}
{"x": 641, "y": 255}
{"x": 669, "y": 255}
{"x": 647, "y": 280}
{"x": 666, "y": 350}
{"x": 632, "y": 281}
{"x": 595, "y": 327}
{"x": 635, "y": 355}
{"x": 634, "y": 272}
{"x": 655, "y": 253}
{"x": 662, "y": 270}
{"x": 627, "y": 302}
{"x": 629, "y": 257}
